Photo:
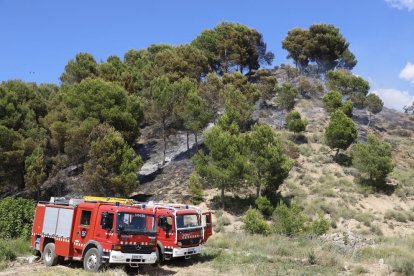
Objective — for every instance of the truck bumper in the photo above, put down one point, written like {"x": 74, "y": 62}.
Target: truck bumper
{"x": 117, "y": 257}
{"x": 183, "y": 252}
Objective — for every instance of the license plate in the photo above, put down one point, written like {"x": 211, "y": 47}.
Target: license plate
{"x": 136, "y": 257}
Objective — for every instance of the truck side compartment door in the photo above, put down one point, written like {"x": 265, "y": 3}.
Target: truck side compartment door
{"x": 207, "y": 226}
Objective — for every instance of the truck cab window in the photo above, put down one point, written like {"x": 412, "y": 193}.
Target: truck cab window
{"x": 107, "y": 221}
{"x": 189, "y": 220}
{"x": 85, "y": 218}
{"x": 165, "y": 223}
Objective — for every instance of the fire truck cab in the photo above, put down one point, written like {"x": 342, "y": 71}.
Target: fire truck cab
{"x": 95, "y": 232}
{"x": 181, "y": 229}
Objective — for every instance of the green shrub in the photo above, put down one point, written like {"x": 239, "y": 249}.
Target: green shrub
{"x": 254, "y": 222}
{"x": 16, "y": 217}
{"x": 195, "y": 188}
{"x": 398, "y": 216}
{"x": 10, "y": 249}
{"x": 305, "y": 150}
{"x": 404, "y": 265}
{"x": 224, "y": 220}
{"x": 288, "y": 221}
{"x": 319, "y": 226}
{"x": 264, "y": 205}
{"x": 221, "y": 222}
{"x": 295, "y": 123}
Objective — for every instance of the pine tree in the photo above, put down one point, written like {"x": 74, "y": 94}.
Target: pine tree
{"x": 267, "y": 165}
{"x": 341, "y": 132}
{"x": 195, "y": 114}
{"x": 224, "y": 164}
{"x": 374, "y": 104}
{"x": 295, "y": 122}
{"x": 373, "y": 158}
{"x": 112, "y": 166}
{"x": 35, "y": 171}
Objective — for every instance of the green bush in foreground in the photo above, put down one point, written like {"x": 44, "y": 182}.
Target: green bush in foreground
{"x": 16, "y": 217}
{"x": 10, "y": 249}
{"x": 254, "y": 223}
{"x": 288, "y": 221}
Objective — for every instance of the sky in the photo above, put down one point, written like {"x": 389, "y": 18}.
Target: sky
{"x": 39, "y": 37}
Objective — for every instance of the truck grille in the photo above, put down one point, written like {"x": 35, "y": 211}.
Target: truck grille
{"x": 187, "y": 242}
{"x": 136, "y": 249}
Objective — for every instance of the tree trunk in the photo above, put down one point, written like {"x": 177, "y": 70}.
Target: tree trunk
{"x": 188, "y": 146}
{"x": 196, "y": 141}
{"x": 222, "y": 198}
{"x": 165, "y": 142}
{"x": 281, "y": 120}
{"x": 369, "y": 118}
{"x": 336, "y": 155}
{"x": 258, "y": 191}
{"x": 225, "y": 61}
{"x": 22, "y": 185}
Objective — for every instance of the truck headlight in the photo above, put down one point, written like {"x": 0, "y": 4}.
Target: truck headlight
{"x": 116, "y": 247}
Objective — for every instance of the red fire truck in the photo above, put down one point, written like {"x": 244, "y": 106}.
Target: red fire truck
{"x": 181, "y": 229}
{"x": 95, "y": 231}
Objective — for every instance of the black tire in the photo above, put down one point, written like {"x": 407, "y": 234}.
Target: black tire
{"x": 49, "y": 256}
{"x": 93, "y": 260}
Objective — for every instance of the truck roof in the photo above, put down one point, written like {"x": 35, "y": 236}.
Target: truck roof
{"x": 177, "y": 208}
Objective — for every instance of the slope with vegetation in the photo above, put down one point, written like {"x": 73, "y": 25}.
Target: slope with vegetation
{"x": 310, "y": 172}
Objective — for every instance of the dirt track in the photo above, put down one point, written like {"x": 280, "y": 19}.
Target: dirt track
{"x": 176, "y": 267}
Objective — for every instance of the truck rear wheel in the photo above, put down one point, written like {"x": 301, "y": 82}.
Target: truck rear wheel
{"x": 49, "y": 256}
{"x": 92, "y": 260}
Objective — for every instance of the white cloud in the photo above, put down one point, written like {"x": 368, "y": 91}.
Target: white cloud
{"x": 394, "y": 98}
{"x": 407, "y": 73}
{"x": 401, "y": 4}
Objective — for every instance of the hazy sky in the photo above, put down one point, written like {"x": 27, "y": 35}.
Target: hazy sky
{"x": 41, "y": 36}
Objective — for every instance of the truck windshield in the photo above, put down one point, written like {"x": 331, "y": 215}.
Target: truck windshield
{"x": 135, "y": 223}
{"x": 187, "y": 221}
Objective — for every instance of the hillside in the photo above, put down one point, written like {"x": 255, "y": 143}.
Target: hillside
{"x": 371, "y": 227}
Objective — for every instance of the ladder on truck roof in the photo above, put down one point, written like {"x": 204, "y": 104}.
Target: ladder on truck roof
{"x": 109, "y": 199}
{"x": 75, "y": 201}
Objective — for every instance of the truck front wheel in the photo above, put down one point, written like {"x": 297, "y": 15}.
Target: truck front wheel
{"x": 160, "y": 257}
{"x": 49, "y": 256}
{"x": 92, "y": 260}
